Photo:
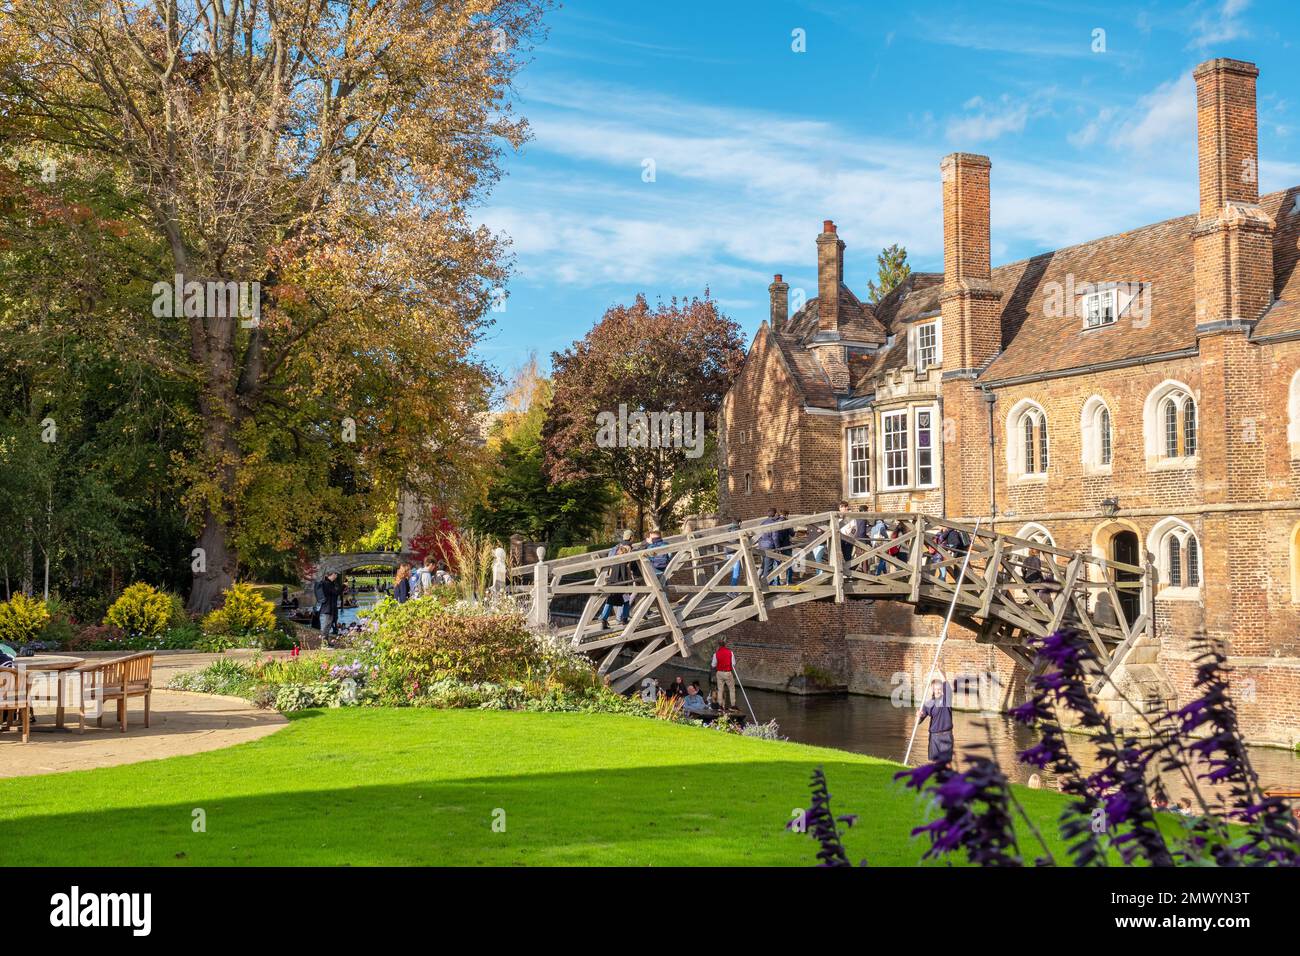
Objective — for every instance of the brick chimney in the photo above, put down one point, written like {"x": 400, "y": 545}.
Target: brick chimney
{"x": 830, "y": 273}
{"x": 1233, "y": 239}
{"x": 972, "y": 323}
{"x": 778, "y": 294}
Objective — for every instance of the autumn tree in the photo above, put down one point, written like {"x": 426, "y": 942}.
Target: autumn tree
{"x": 305, "y": 168}
{"x": 677, "y": 358}
{"x": 519, "y": 496}
{"x": 891, "y": 269}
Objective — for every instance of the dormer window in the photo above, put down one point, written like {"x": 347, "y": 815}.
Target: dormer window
{"x": 1100, "y": 308}
{"x": 927, "y": 346}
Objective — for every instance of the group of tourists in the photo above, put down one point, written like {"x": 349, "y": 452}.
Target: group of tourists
{"x": 628, "y": 574}
{"x": 413, "y": 582}
{"x": 695, "y": 701}
{"x": 780, "y": 568}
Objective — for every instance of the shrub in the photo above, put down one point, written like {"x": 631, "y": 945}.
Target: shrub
{"x": 244, "y": 614}
{"x": 302, "y": 696}
{"x": 22, "y": 619}
{"x": 468, "y": 648}
{"x": 85, "y": 602}
{"x": 767, "y": 731}
{"x": 223, "y": 676}
{"x": 141, "y": 611}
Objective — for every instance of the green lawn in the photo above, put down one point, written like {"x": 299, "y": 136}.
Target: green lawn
{"x": 369, "y": 786}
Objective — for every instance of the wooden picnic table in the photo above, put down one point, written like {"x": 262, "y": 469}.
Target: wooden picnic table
{"x": 39, "y": 665}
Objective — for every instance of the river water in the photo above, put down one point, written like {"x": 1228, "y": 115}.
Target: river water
{"x": 874, "y": 726}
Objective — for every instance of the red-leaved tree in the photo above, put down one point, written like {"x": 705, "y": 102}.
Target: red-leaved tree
{"x": 679, "y": 357}
{"x": 434, "y": 538}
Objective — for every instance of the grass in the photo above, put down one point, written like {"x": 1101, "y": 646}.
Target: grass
{"x": 412, "y": 786}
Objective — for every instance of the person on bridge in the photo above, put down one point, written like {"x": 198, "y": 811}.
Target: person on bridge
{"x": 939, "y": 710}
{"x": 879, "y": 534}
{"x": 785, "y": 545}
{"x": 768, "y": 541}
{"x": 849, "y": 528}
{"x": 724, "y": 662}
{"x": 619, "y": 574}
{"x": 655, "y": 542}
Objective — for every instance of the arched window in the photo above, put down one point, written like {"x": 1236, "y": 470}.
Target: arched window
{"x": 1174, "y": 560}
{"x": 1171, "y": 425}
{"x": 1103, "y": 433}
{"x": 1027, "y": 448}
{"x": 1178, "y": 554}
{"x": 1098, "y": 440}
{"x": 1036, "y": 533}
{"x": 1171, "y": 428}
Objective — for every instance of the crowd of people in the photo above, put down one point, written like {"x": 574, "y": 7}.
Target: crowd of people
{"x": 413, "y": 582}
{"x": 695, "y": 699}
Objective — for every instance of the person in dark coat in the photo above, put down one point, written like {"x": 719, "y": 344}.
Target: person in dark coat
{"x": 939, "y": 711}
{"x": 785, "y": 544}
{"x": 619, "y": 574}
{"x": 330, "y": 592}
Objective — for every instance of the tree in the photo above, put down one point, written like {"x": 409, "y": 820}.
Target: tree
{"x": 892, "y": 269}
{"x": 306, "y": 168}
{"x": 519, "y": 497}
{"x": 435, "y": 538}
{"x": 617, "y": 392}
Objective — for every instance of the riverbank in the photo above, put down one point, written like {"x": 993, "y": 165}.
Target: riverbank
{"x": 365, "y": 786}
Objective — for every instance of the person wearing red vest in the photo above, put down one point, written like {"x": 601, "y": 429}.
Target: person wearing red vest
{"x": 723, "y": 663}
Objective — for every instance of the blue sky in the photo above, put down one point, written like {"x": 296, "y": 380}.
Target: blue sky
{"x": 754, "y": 144}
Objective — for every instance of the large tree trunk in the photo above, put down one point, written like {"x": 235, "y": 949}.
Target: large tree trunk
{"x": 218, "y": 564}
{"x": 213, "y": 347}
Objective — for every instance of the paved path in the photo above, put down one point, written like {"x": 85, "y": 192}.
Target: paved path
{"x": 179, "y": 723}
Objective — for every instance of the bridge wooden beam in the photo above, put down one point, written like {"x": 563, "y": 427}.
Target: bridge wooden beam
{"x": 752, "y": 577}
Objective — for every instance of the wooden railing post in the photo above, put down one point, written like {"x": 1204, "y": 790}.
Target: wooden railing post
{"x": 541, "y": 614}
{"x": 837, "y": 559}
{"x": 918, "y": 558}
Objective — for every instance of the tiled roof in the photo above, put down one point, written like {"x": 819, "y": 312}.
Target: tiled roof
{"x": 1036, "y": 339}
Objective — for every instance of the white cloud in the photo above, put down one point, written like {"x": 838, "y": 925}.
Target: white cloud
{"x": 740, "y": 194}
{"x": 1220, "y": 23}
{"x": 1163, "y": 121}
{"x": 991, "y": 122}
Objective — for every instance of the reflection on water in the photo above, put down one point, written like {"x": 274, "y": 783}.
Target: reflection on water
{"x": 348, "y": 615}
{"x": 873, "y": 725}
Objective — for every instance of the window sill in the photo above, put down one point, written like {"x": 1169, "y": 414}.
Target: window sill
{"x": 1169, "y": 593}
{"x": 1172, "y": 464}
{"x": 1037, "y": 478}
{"x": 1098, "y": 470}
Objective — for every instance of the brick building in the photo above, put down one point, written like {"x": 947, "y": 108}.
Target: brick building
{"x": 1136, "y": 397}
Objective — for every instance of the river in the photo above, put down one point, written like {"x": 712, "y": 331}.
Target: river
{"x": 874, "y": 726}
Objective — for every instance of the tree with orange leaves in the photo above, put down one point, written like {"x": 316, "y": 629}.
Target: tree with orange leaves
{"x": 306, "y": 169}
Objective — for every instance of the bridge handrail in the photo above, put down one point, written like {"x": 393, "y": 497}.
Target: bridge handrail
{"x": 721, "y": 535}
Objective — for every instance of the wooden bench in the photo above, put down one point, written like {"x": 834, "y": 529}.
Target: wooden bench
{"x": 119, "y": 680}
{"x": 14, "y": 703}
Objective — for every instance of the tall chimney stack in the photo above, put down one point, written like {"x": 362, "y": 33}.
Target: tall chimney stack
{"x": 830, "y": 273}
{"x": 1233, "y": 238}
{"x": 972, "y": 316}
{"x": 778, "y": 294}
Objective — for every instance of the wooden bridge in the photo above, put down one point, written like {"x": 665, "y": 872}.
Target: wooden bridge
{"x": 1006, "y": 596}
